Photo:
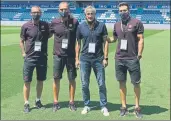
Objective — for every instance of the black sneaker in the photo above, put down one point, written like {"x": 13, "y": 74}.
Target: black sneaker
{"x": 26, "y": 108}
{"x": 123, "y": 111}
{"x": 56, "y": 107}
{"x": 72, "y": 106}
{"x": 137, "y": 112}
{"x": 39, "y": 105}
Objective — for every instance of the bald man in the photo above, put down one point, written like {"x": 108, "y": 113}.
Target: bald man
{"x": 64, "y": 30}
{"x": 34, "y": 39}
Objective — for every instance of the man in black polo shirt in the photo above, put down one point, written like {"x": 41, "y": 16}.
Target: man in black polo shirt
{"x": 94, "y": 54}
{"x": 64, "y": 30}
{"x": 34, "y": 39}
{"x": 129, "y": 33}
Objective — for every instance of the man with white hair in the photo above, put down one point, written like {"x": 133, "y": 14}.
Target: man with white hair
{"x": 94, "y": 54}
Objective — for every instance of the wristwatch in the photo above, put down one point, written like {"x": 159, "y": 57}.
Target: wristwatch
{"x": 106, "y": 59}
{"x": 139, "y": 56}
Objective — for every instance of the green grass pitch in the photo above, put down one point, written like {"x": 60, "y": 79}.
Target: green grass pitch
{"x": 155, "y": 84}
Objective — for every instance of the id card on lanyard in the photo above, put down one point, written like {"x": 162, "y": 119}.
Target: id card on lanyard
{"x": 91, "y": 45}
{"x": 37, "y": 46}
{"x": 38, "y": 43}
{"x": 65, "y": 43}
{"x": 124, "y": 42}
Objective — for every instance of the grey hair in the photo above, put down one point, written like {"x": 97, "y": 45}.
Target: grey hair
{"x": 89, "y": 8}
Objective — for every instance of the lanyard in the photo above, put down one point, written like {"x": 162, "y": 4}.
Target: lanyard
{"x": 66, "y": 28}
{"x": 91, "y": 30}
{"x": 123, "y": 30}
{"x": 38, "y": 33}
{"x": 39, "y": 36}
{"x": 92, "y": 35}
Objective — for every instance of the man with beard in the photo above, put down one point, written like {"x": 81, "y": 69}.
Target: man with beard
{"x": 129, "y": 33}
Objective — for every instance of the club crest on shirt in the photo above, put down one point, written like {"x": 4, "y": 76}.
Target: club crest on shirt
{"x": 42, "y": 28}
{"x": 129, "y": 27}
{"x": 70, "y": 25}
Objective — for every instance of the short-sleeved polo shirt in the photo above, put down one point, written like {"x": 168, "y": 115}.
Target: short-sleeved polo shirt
{"x": 129, "y": 32}
{"x": 60, "y": 31}
{"x": 30, "y": 33}
{"x": 85, "y": 35}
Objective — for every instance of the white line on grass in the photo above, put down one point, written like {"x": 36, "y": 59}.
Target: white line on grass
{"x": 10, "y": 44}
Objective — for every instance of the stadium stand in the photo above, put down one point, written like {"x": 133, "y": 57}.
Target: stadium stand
{"x": 146, "y": 11}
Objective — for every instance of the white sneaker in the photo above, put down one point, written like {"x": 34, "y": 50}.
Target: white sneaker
{"x": 85, "y": 110}
{"x": 105, "y": 111}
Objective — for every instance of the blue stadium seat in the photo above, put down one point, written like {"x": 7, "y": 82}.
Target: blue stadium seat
{"x": 145, "y": 11}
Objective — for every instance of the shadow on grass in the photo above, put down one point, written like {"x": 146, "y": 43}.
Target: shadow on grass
{"x": 146, "y": 109}
{"x": 151, "y": 109}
